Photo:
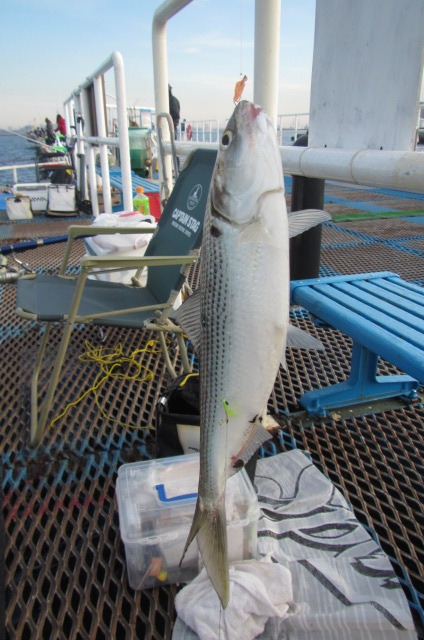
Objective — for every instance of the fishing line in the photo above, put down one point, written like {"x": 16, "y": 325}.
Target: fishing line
{"x": 114, "y": 365}
{"x": 240, "y": 84}
{"x": 241, "y": 38}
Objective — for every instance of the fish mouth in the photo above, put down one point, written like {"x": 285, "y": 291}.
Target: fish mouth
{"x": 255, "y": 110}
{"x": 250, "y": 108}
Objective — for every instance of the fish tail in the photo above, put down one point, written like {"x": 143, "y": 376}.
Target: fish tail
{"x": 210, "y": 527}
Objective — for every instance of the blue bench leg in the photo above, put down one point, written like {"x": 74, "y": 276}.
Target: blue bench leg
{"x": 363, "y": 385}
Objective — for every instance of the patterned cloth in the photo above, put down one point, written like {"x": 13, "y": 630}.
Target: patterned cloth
{"x": 344, "y": 586}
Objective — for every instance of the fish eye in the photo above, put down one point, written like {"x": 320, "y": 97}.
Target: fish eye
{"x": 226, "y": 139}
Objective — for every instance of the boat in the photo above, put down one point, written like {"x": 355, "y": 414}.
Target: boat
{"x": 64, "y": 558}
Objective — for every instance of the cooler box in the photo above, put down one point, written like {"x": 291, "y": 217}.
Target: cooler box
{"x": 37, "y": 193}
{"x": 156, "y": 503}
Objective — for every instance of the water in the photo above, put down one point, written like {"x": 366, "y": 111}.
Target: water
{"x": 16, "y": 150}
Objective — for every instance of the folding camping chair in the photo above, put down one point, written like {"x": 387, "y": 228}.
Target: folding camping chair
{"x": 71, "y": 299}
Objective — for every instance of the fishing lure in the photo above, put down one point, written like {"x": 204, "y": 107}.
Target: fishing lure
{"x": 238, "y": 89}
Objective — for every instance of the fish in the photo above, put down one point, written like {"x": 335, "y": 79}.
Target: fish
{"x": 238, "y": 319}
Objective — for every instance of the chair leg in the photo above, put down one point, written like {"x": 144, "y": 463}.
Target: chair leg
{"x": 39, "y": 422}
{"x": 165, "y": 353}
{"x": 183, "y": 353}
{"x": 35, "y": 435}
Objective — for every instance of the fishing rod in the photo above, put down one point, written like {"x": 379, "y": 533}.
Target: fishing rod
{"x": 10, "y": 274}
{"x": 33, "y": 244}
{"x": 42, "y": 144}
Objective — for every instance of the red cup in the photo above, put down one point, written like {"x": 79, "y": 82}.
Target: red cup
{"x": 154, "y": 200}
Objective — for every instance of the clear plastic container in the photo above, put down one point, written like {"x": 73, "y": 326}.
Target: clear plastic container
{"x": 141, "y": 202}
{"x": 156, "y": 502}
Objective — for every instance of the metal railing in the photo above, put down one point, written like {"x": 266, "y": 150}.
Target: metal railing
{"x": 78, "y": 112}
{"x": 15, "y": 167}
{"x": 198, "y": 130}
{"x": 291, "y": 122}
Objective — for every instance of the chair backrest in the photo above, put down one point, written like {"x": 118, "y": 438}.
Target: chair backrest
{"x": 180, "y": 226}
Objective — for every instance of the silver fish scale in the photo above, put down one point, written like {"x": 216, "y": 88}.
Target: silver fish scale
{"x": 216, "y": 340}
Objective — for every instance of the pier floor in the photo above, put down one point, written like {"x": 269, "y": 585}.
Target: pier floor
{"x": 64, "y": 559}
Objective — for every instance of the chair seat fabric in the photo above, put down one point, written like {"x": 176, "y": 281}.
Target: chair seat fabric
{"x": 50, "y": 297}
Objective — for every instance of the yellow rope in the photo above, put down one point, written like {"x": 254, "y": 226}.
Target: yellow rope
{"x": 109, "y": 361}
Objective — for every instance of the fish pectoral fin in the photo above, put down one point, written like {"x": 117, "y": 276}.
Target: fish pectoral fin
{"x": 254, "y": 233}
{"x": 210, "y": 526}
{"x": 300, "y": 221}
{"x": 258, "y": 437}
{"x": 301, "y": 339}
{"x": 188, "y": 317}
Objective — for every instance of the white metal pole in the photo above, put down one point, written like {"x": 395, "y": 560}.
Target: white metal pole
{"x": 81, "y": 172}
{"x": 160, "y": 69}
{"x": 89, "y": 154}
{"x": 68, "y": 117}
{"x": 124, "y": 144}
{"x": 92, "y": 180}
{"x": 267, "y": 51}
{"x": 403, "y": 170}
{"x": 101, "y": 129}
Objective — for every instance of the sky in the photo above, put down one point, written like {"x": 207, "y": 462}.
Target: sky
{"x": 49, "y": 47}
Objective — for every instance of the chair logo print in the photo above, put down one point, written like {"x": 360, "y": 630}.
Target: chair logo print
{"x": 194, "y": 197}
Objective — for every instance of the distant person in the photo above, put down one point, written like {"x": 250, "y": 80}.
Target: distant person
{"x": 183, "y": 129}
{"x": 61, "y": 125}
{"x": 50, "y": 137}
{"x": 174, "y": 109}
{"x": 302, "y": 140}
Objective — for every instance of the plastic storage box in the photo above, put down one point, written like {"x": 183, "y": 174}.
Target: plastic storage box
{"x": 156, "y": 502}
{"x": 37, "y": 193}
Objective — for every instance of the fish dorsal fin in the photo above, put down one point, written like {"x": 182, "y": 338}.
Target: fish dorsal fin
{"x": 301, "y": 339}
{"x": 258, "y": 437}
{"x": 300, "y": 221}
{"x": 188, "y": 317}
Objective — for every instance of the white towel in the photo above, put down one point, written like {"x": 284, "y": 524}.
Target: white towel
{"x": 258, "y": 590}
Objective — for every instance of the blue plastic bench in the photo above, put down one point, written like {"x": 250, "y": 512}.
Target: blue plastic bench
{"x": 384, "y": 316}
{"x": 115, "y": 177}
{"x": 116, "y": 181}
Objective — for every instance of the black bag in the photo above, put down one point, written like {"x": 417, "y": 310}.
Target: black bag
{"x": 179, "y": 407}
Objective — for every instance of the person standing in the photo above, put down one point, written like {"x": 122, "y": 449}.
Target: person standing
{"x": 61, "y": 124}
{"x": 50, "y": 137}
{"x": 174, "y": 110}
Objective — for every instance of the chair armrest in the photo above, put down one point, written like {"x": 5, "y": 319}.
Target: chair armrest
{"x": 80, "y": 231}
{"x": 77, "y": 231}
{"x": 89, "y": 263}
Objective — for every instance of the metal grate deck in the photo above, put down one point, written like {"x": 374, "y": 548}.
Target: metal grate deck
{"x": 65, "y": 563}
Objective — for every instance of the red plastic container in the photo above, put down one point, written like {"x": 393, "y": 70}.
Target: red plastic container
{"x": 154, "y": 197}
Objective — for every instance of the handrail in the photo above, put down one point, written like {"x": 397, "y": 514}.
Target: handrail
{"x": 14, "y": 167}
{"x": 78, "y": 103}
{"x": 160, "y": 67}
{"x": 402, "y": 170}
